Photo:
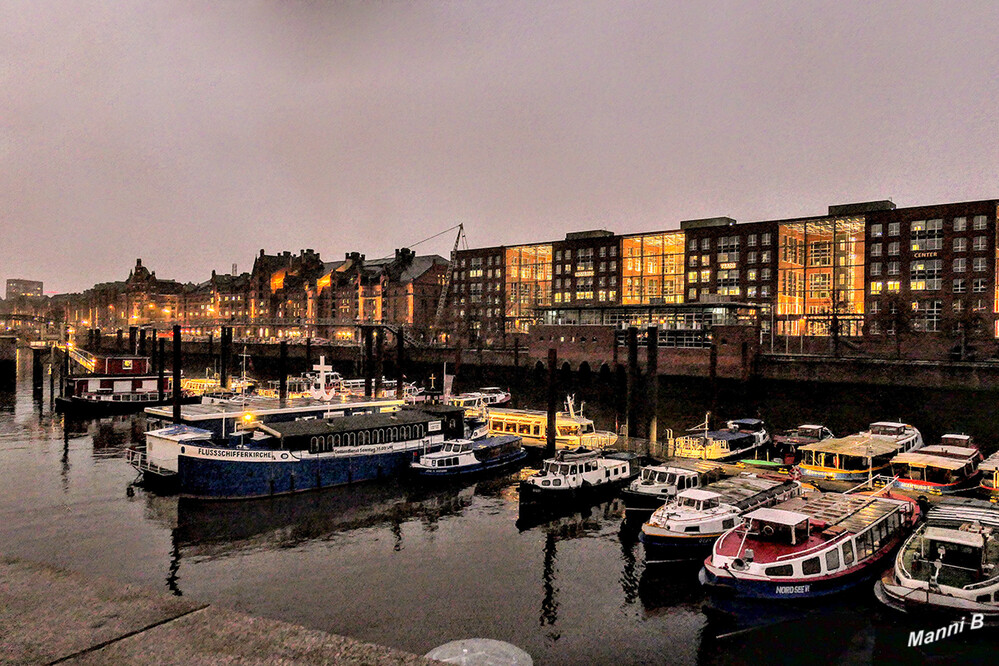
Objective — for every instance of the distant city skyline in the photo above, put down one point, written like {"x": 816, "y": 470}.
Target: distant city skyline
{"x": 194, "y": 135}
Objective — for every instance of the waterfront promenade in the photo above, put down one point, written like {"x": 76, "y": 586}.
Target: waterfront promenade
{"x": 54, "y": 616}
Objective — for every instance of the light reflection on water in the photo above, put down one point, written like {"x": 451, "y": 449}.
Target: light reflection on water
{"x": 414, "y": 566}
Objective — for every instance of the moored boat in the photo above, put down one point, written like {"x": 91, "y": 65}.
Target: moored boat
{"x": 658, "y": 483}
{"x": 578, "y": 475}
{"x": 809, "y": 546}
{"x": 687, "y": 525}
{"x": 741, "y": 437}
{"x": 464, "y": 457}
{"x": 939, "y": 469}
{"x": 951, "y": 563}
{"x": 990, "y": 473}
{"x": 572, "y": 429}
{"x": 786, "y": 444}
{"x": 859, "y": 456}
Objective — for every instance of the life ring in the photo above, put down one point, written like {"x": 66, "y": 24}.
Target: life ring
{"x": 768, "y": 530}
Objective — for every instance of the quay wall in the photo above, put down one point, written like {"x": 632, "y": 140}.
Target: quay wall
{"x": 974, "y": 376}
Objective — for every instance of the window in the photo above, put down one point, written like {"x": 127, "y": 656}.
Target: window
{"x": 893, "y": 267}
{"x": 706, "y": 276}
{"x": 979, "y": 223}
{"x": 876, "y": 231}
{"x": 876, "y": 269}
{"x": 876, "y": 287}
{"x": 765, "y": 274}
{"x": 980, "y": 243}
{"x": 928, "y": 314}
{"x": 848, "y": 553}
{"x": 705, "y": 244}
{"x": 765, "y": 257}
{"x": 875, "y": 249}
{"x": 765, "y": 239}
{"x": 893, "y": 248}
{"x": 751, "y": 275}
{"x": 959, "y": 286}
{"x": 692, "y": 260}
{"x": 978, "y": 286}
{"x": 927, "y": 235}
{"x": 692, "y": 245}
{"x": 751, "y": 240}
{"x": 692, "y": 294}
{"x": 960, "y": 265}
{"x": 893, "y": 285}
{"x": 960, "y": 223}
{"x": 925, "y": 274}
{"x": 980, "y": 264}
{"x": 782, "y": 570}
{"x": 960, "y": 244}
{"x": 894, "y": 228}
{"x": 811, "y": 566}
{"x": 751, "y": 257}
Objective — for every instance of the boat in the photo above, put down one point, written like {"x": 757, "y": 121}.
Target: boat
{"x": 266, "y": 459}
{"x": 787, "y": 443}
{"x": 939, "y": 469}
{"x": 687, "y": 525}
{"x": 658, "y": 483}
{"x": 579, "y": 474}
{"x": 464, "y": 457}
{"x": 119, "y": 385}
{"x": 990, "y": 473}
{"x": 859, "y": 456}
{"x": 572, "y": 429}
{"x": 809, "y": 546}
{"x": 739, "y": 438}
{"x": 489, "y": 396}
{"x": 950, "y": 564}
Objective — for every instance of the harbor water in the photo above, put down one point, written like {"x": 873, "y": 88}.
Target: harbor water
{"x": 414, "y": 566}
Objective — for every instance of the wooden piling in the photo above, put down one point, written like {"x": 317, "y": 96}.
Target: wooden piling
{"x": 176, "y": 373}
{"x": 652, "y": 372}
{"x": 379, "y": 334}
{"x": 283, "y": 373}
{"x": 225, "y": 353}
{"x": 552, "y": 401}
{"x": 632, "y": 402}
{"x": 366, "y": 342}
{"x": 400, "y": 344}
{"x": 142, "y": 342}
{"x": 161, "y": 370}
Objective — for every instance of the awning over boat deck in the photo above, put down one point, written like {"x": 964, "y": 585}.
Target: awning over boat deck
{"x": 991, "y": 463}
{"x": 698, "y": 494}
{"x": 961, "y": 537}
{"x": 778, "y": 516}
{"x": 921, "y": 459}
{"x": 855, "y": 445}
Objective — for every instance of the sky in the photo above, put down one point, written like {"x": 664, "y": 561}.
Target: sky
{"x": 194, "y": 134}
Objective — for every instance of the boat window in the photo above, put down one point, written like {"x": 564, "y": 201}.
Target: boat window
{"x": 537, "y": 430}
{"x": 781, "y": 570}
{"x": 524, "y": 429}
{"x": 556, "y": 482}
{"x": 646, "y": 475}
{"x": 692, "y": 528}
{"x": 811, "y": 566}
{"x": 864, "y": 545}
{"x": 681, "y": 483}
{"x": 573, "y": 469}
{"x": 671, "y": 478}
{"x": 728, "y": 523}
{"x": 587, "y": 427}
{"x": 832, "y": 560}
{"x": 510, "y": 427}
{"x": 546, "y": 483}
{"x": 983, "y": 598}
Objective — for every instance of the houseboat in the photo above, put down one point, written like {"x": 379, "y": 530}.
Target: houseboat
{"x": 578, "y": 475}
{"x": 990, "y": 473}
{"x": 859, "y": 456}
{"x": 687, "y": 525}
{"x": 809, "y": 546}
{"x": 740, "y": 438}
{"x": 951, "y": 563}
{"x": 119, "y": 385}
{"x": 786, "y": 444}
{"x": 465, "y": 457}
{"x": 939, "y": 469}
{"x": 658, "y": 483}
{"x": 572, "y": 429}
{"x": 294, "y": 456}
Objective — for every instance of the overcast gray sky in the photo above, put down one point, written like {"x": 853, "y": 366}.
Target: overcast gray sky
{"x": 192, "y": 134}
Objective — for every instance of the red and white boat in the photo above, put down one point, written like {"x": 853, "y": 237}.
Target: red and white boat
{"x": 939, "y": 469}
{"x": 810, "y": 546}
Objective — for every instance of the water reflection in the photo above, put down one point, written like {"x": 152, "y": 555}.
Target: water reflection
{"x": 549, "y": 602}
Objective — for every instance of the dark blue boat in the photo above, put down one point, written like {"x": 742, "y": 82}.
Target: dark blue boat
{"x": 462, "y": 457}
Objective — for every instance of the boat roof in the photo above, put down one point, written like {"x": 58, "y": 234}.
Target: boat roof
{"x": 492, "y": 388}
{"x": 961, "y": 510}
{"x": 261, "y": 406}
{"x": 950, "y": 435}
{"x": 777, "y": 516}
{"x": 737, "y": 489}
{"x": 309, "y": 427}
{"x": 855, "y": 445}
{"x": 854, "y": 512}
{"x": 810, "y": 426}
{"x": 726, "y": 435}
{"x": 181, "y": 433}
{"x": 950, "y": 535}
{"x": 991, "y": 463}
{"x": 752, "y": 422}
{"x": 943, "y": 460}
{"x": 698, "y": 494}
{"x": 890, "y": 424}
{"x": 535, "y": 413}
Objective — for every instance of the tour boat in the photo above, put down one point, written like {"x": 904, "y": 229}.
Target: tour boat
{"x": 944, "y": 468}
{"x": 488, "y": 396}
{"x": 578, "y": 474}
{"x": 739, "y": 438}
{"x": 990, "y": 473}
{"x": 572, "y": 429}
{"x": 686, "y": 526}
{"x": 463, "y": 457}
{"x": 658, "y": 483}
{"x": 787, "y": 443}
{"x": 859, "y": 456}
{"x": 951, "y": 563}
{"x": 294, "y": 456}
{"x": 809, "y": 546}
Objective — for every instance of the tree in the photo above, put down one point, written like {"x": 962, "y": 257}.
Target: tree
{"x": 894, "y": 319}
{"x": 967, "y": 325}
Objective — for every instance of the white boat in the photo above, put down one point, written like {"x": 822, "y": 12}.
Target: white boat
{"x": 951, "y": 563}
{"x": 859, "y": 456}
{"x": 687, "y": 525}
{"x": 578, "y": 474}
{"x": 659, "y": 483}
{"x": 463, "y": 457}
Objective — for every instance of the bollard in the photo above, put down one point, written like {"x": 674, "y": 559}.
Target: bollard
{"x": 142, "y": 342}
{"x": 552, "y": 402}
{"x": 119, "y": 340}
{"x": 36, "y": 370}
{"x": 176, "y": 373}
{"x": 133, "y": 337}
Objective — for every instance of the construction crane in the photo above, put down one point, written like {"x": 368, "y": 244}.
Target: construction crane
{"x": 447, "y": 276}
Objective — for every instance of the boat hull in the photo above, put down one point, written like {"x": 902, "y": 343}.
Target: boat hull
{"x": 534, "y": 497}
{"x": 636, "y": 503}
{"x": 838, "y": 474}
{"x": 675, "y": 548}
{"x": 209, "y": 478}
{"x": 908, "y": 600}
{"x": 466, "y": 471}
{"x": 79, "y": 406}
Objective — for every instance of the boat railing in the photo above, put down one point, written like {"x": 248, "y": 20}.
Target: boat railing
{"x": 817, "y": 547}
{"x": 138, "y": 459}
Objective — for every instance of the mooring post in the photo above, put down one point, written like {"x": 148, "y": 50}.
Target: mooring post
{"x": 64, "y": 375}
{"x": 176, "y": 373}
{"x": 224, "y": 353}
{"x": 652, "y": 372}
{"x": 142, "y": 342}
{"x": 552, "y": 401}
{"x": 713, "y": 376}
{"x": 283, "y": 373}
{"x": 211, "y": 350}
{"x": 133, "y": 337}
{"x": 400, "y": 344}
{"x": 366, "y": 334}
{"x": 36, "y": 370}
{"x": 161, "y": 370}
{"x": 516, "y": 353}
{"x": 379, "y": 354}
{"x": 308, "y": 353}
{"x": 97, "y": 340}
{"x": 154, "y": 357}
{"x": 631, "y": 403}
{"x": 52, "y": 362}
{"x": 119, "y": 340}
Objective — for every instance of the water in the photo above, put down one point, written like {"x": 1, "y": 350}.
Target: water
{"x": 414, "y": 568}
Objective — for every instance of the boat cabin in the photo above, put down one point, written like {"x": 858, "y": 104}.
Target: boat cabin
{"x": 679, "y": 479}
{"x": 990, "y": 473}
{"x": 815, "y": 432}
{"x": 778, "y": 526}
{"x": 888, "y": 429}
{"x": 698, "y": 500}
{"x": 937, "y": 465}
{"x": 849, "y": 457}
{"x": 746, "y": 425}
{"x": 532, "y": 425}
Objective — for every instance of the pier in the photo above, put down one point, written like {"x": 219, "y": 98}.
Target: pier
{"x": 54, "y": 616}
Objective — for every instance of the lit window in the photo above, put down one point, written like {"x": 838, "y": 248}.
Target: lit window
{"x": 876, "y": 231}
{"x": 876, "y": 287}
{"x": 893, "y": 285}
{"x": 692, "y": 276}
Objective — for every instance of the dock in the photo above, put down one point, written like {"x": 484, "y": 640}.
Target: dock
{"x": 54, "y": 616}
